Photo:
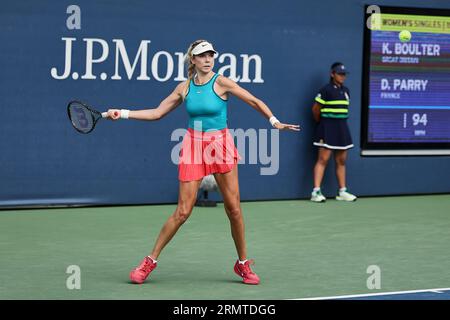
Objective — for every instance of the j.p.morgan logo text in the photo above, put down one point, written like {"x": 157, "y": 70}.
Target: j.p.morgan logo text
{"x": 145, "y": 64}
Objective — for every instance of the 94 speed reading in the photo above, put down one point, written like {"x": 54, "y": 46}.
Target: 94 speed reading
{"x": 225, "y": 309}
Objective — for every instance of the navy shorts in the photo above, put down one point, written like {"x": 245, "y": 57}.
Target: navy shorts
{"x": 333, "y": 134}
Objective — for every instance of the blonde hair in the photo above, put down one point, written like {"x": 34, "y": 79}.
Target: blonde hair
{"x": 190, "y": 65}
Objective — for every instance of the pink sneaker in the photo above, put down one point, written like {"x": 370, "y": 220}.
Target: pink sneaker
{"x": 244, "y": 271}
{"x": 139, "y": 274}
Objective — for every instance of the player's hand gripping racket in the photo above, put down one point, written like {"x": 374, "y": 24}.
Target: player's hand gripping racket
{"x": 83, "y": 117}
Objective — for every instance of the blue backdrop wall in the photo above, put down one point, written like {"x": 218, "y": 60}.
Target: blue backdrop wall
{"x": 293, "y": 43}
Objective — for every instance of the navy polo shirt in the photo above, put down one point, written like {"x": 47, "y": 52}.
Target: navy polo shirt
{"x": 334, "y": 100}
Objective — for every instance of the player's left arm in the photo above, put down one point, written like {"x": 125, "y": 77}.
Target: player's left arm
{"x": 229, "y": 86}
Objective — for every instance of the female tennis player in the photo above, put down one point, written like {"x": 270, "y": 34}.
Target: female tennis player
{"x": 207, "y": 148}
{"x": 332, "y": 135}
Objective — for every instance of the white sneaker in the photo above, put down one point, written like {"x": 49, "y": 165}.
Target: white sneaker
{"x": 317, "y": 196}
{"x": 345, "y": 196}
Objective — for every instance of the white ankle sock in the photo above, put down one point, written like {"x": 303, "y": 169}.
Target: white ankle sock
{"x": 242, "y": 262}
{"x": 154, "y": 261}
{"x": 316, "y": 189}
{"x": 342, "y": 189}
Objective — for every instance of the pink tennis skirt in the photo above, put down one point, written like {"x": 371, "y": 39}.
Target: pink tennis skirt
{"x": 204, "y": 153}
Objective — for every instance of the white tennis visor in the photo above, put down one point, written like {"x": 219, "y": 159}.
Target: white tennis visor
{"x": 203, "y": 47}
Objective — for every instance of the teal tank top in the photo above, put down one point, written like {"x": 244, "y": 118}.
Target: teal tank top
{"x": 205, "y": 107}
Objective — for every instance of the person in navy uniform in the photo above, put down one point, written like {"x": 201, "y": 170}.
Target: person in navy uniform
{"x": 332, "y": 136}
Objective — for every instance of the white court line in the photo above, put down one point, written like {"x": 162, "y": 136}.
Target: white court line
{"x": 437, "y": 290}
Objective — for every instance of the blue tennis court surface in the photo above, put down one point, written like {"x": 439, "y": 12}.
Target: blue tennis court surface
{"x": 428, "y": 294}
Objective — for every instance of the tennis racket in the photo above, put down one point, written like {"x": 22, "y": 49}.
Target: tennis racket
{"x": 83, "y": 117}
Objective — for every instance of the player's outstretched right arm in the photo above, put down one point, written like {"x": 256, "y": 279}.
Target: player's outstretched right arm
{"x": 166, "y": 106}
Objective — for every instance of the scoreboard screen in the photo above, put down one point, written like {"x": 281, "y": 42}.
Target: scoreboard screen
{"x": 406, "y": 85}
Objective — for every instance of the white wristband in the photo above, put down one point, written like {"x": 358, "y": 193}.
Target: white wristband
{"x": 124, "y": 113}
{"x": 273, "y": 120}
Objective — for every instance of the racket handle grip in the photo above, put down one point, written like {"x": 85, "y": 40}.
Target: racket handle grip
{"x": 104, "y": 114}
